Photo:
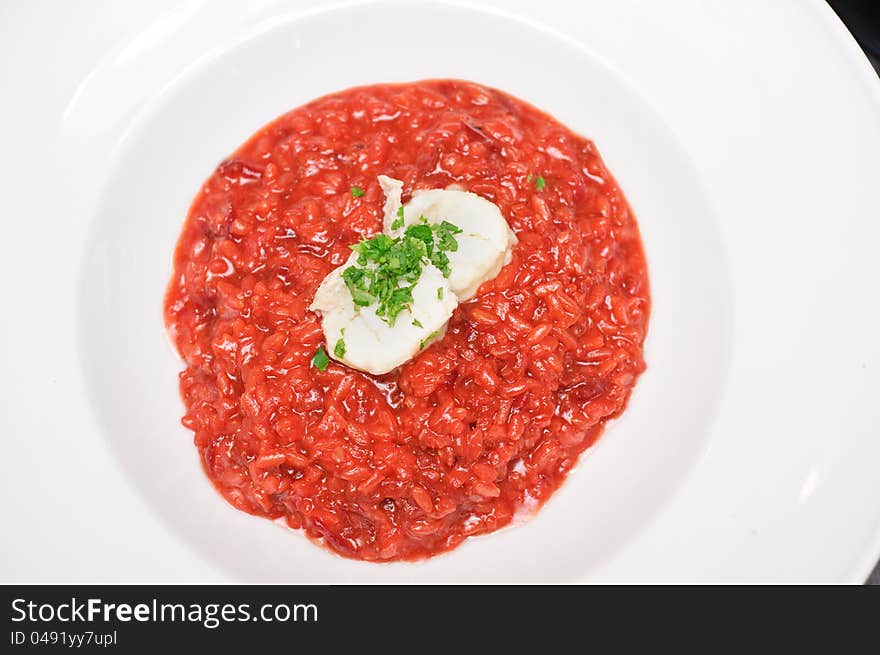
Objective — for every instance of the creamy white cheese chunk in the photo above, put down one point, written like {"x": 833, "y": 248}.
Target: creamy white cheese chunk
{"x": 484, "y": 246}
{"x": 371, "y": 344}
{"x": 392, "y": 189}
{"x": 485, "y": 243}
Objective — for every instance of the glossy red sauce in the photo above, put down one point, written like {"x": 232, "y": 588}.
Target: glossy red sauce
{"x": 482, "y": 425}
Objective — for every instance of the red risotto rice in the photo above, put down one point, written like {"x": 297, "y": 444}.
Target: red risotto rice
{"x": 485, "y": 422}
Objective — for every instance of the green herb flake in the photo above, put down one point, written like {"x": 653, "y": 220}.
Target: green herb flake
{"x": 417, "y": 323}
{"x": 320, "y": 360}
{"x": 356, "y": 192}
{"x": 422, "y": 232}
{"x": 339, "y": 349}
{"x": 439, "y": 293}
{"x": 397, "y": 223}
{"x": 428, "y": 339}
{"x": 540, "y": 183}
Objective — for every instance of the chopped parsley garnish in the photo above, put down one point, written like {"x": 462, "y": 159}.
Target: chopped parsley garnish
{"x": 540, "y": 183}
{"x": 397, "y": 223}
{"x": 388, "y": 269}
{"x": 439, "y": 293}
{"x": 320, "y": 360}
{"x": 356, "y": 192}
{"x": 417, "y": 323}
{"x": 429, "y": 338}
{"x": 339, "y": 349}
{"x": 530, "y": 178}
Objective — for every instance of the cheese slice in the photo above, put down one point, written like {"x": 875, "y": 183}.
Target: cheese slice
{"x": 484, "y": 247}
{"x": 371, "y": 344}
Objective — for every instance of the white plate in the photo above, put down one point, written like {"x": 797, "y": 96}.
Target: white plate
{"x": 745, "y": 137}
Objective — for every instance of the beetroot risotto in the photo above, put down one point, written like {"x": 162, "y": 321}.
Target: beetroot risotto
{"x": 485, "y": 421}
